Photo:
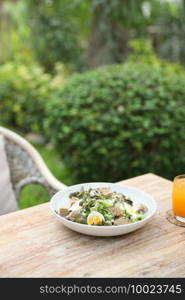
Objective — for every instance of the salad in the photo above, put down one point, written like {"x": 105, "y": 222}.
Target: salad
{"x": 102, "y": 207}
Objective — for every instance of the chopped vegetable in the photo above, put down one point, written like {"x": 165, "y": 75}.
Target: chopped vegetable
{"x": 102, "y": 207}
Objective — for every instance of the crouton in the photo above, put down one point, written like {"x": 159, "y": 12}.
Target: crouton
{"x": 140, "y": 208}
{"x": 116, "y": 211}
{"x": 63, "y": 211}
{"x": 106, "y": 192}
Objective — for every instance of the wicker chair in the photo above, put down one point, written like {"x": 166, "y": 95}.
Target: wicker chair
{"x": 26, "y": 165}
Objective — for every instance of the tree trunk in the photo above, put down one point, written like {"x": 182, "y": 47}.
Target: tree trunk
{"x": 107, "y": 41}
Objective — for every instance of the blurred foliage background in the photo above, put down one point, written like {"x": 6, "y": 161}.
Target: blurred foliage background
{"x": 84, "y": 34}
{"x": 49, "y": 86}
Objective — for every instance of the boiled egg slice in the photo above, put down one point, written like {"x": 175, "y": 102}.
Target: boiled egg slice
{"x": 95, "y": 218}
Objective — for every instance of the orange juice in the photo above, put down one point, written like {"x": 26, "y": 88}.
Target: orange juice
{"x": 178, "y": 196}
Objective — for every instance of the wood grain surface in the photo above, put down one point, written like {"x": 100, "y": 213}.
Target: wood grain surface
{"x": 34, "y": 244}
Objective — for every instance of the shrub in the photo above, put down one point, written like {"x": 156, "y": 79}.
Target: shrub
{"x": 120, "y": 121}
{"x": 23, "y": 93}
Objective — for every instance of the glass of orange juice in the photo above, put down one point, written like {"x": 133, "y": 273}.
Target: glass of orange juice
{"x": 178, "y": 197}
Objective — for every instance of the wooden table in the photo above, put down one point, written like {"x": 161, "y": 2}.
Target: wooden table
{"x": 34, "y": 244}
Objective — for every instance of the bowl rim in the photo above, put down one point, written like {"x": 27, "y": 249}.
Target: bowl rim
{"x": 104, "y": 226}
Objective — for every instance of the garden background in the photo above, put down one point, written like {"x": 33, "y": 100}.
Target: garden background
{"x": 98, "y": 86}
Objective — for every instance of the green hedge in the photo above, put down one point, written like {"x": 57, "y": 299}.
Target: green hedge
{"x": 120, "y": 121}
{"x": 23, "y": 93}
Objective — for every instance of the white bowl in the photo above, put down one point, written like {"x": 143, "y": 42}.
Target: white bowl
{"x": 62, "y": 197}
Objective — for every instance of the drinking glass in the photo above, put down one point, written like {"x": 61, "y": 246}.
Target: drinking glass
{"x": 178, "y": 197}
